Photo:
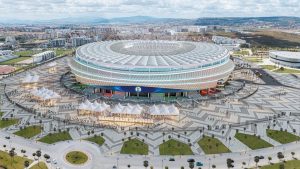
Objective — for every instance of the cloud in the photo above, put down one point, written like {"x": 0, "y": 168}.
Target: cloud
{"x": 42, "y": 9}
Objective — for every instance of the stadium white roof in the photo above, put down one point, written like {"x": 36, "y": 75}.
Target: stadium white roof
{"x": 150, "y": 54}
{"x": 287, "y": 54}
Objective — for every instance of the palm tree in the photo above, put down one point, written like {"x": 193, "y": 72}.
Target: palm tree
{"x": 128, "y": 166}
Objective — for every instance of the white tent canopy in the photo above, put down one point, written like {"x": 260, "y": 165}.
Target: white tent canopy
{"x": 96, "y": 107}
{"x": 128, "y": 109}
{"x": 45, "y": 94}
{"x": 164, "y": 110}
{"x": 31, "y": 78}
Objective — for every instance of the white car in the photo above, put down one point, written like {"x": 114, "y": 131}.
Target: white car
{"x": 54, "y": 161}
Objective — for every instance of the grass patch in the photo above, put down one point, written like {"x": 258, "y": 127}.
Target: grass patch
{"x": 282, "y": 137}
{"x": 7, "y": 122}
{"x": 40, "y": 165}
{"x": 253, "y": 142}
{"x": 63, "y": 52}
{"x": 134, "y": 146}
{"x": 96, "y": 139}
{"x": 293, "y": 164}
{"x": 56, "y": 137}
{"x": 253, "y": 59}
{"x": 29, "y": 132}
{"x": 15, "y": 60}
{"x": 268, "y": 67}
{"x": 76, "y": 157}
{"x": 286, "y": 70}
{"x": 173, "y": 147}
{"x": 212, "y": 146}
{"x": 15, "y": 163}
{"x": 27, "y": 53}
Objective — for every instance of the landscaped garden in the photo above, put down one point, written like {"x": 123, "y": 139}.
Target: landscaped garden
{"x": 13, "y": 61}
{"x": 252, "y": 141}
{"x": 6, "y": 161}
{"x": 212, "y": 145}
{"x": 294, "y": 164}
{"x": 76, "y": 157}
{"x": 28, "y": 132}
{"x": 40, "y": 165}
{"x": 96, "y": 139}
{"x": 268, "y": 67}
{"x": 174, "y": 147}
{"x": 282, "y": 137}
{"x": 5, "y": 122}
{"x": 56, "y": 137}
{"x": 134, "y": 146}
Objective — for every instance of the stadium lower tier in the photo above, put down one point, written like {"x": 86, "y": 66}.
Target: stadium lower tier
{"x": 149, "y": 92}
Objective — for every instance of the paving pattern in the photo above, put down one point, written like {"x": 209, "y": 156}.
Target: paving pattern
{"x": 258, "y": 103}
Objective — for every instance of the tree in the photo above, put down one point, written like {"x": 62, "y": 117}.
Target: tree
{"x": 128, "y": 165}
{"x": 38, "y": 154}
{"x": 256, "y": 160}
{"x": 191, "y": 165}
{"x": 280, "y": 156}
{"x": 293, "y": 154}
{"x": 213, "y": 166}
{"x": 26, "y": 164}
{"x": 11, "y": 154}
{"x": 269, "y": 158}
{"x": 230, "y": 163}
{"x": 146, "y": 163}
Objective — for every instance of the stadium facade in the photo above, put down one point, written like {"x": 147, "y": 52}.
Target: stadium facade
{"x": 151, "y": 68}
{"x": 285, "y": 58}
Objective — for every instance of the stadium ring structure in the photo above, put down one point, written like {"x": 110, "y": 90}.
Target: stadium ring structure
{"x": 285, "y": 58}
{"x": 151, "y": 68}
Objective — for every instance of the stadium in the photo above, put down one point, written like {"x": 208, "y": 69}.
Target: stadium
{"x": 285, "y": 58}
{"x": 152, "y": 69}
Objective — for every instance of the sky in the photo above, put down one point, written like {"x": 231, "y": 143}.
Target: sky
{"x": 53, "y": 9}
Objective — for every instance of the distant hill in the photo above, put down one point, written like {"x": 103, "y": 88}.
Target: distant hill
{"x": 232, "y": 21}
{"x": 99, "y": 20}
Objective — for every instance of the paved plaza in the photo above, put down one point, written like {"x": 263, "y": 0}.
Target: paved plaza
{"x": 270, "y": 101}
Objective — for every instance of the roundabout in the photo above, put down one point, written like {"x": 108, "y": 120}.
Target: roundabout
{"x": 76, "y": 157}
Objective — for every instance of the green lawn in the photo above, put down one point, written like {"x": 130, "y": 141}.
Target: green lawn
{"x": 253, "y": 59}
{"x": 241, "y": 52}
{"x": 16, "y": 163}
{"x": 62, "y": 52}
{"x": 40, "y": 165}
{"x": 173, "y": 147}
{"x": 134, "y": 146}
{"x": 15, "y": 60}
{"x": 5, "y": 123}
{"x": 286, "y": 70}
{"x": 1, "y": 113}
{"x": 293, "y": 164}
{"x": 26, "y": 53}
{"x": 212, "y": 146}
{"x": 76, "y": 157}
{"x": 253, "y": 142}
{"x": 268, "y": 67}
{"x": 96, "y": 139}
{"x": 282, "y": 137}
{"x": 56, "y": 137}
{"x": 29, "y": 132}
